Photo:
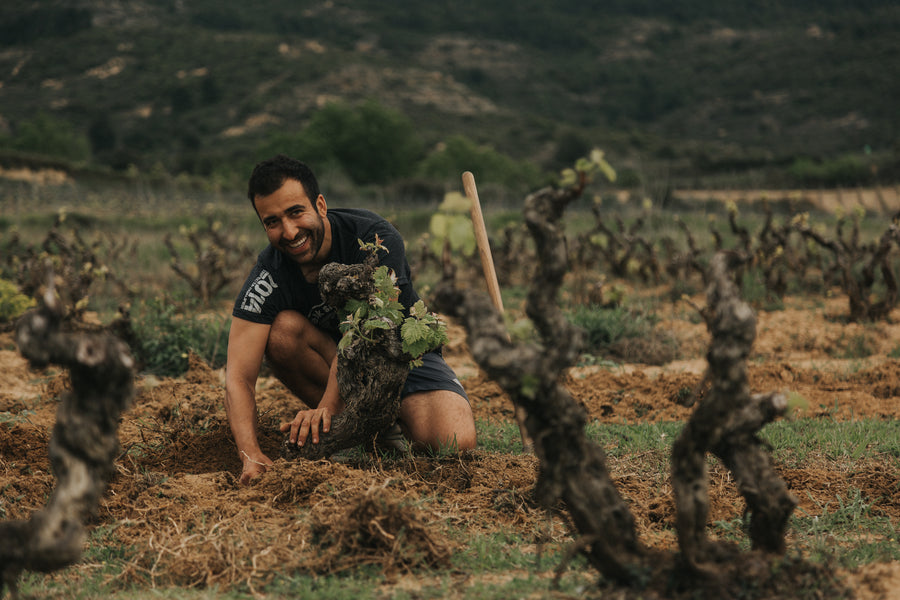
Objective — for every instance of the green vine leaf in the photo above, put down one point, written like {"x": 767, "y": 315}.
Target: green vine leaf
{"x": 420, "y": 331}
{"x": 414, "y": 331}
{"x": 345, "y": 342}
{"x": 380, "y": 323}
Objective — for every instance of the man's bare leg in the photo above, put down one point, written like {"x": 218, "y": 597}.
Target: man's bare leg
{"x": 438, "y": 419}
{"x": 300, "y": 355}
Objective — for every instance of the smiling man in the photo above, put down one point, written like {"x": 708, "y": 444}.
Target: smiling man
{"x": 280, "y": 315}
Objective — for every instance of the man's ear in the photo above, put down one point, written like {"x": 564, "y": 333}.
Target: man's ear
{"x": 321, "y": 206}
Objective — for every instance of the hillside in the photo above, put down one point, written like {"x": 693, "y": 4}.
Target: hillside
{"x": 689, "y": 92}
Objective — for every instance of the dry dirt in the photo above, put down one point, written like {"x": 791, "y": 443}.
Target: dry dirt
{"x": 176, "y": 505}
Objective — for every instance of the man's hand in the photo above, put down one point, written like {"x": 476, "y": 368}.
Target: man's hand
{"x": 307, "y": 423}
{"x": 254, "y": 466}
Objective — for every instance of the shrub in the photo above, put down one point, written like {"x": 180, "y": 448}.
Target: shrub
{"x": 12, "y": 302}
{"x": 843, "y": 171}
{"x": 603, "y": 326}
{"x": 623, "y": 333}
{"x": 460, "y": 154}
{"x": 166, "y": 336}
{"x": 49, "y": 136}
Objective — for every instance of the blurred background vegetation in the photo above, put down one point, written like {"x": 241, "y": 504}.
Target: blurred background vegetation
{"x": 128, "y": 131}
{"x": 403, "y": 96}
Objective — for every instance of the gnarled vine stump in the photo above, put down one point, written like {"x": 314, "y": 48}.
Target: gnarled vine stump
{"x": 572, "y": 468}
{"x": 370, "y": 373}
{"x": 725, "y": 423}
{"x": 84, "y": 443}
{"x": 859, "y": 265}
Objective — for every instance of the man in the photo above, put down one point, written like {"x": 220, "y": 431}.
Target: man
{"x": 280, "y": 315}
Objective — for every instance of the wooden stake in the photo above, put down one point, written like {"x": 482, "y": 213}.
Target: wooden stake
{"x": 481, "y": 238}
{"x": 490, "y": 275}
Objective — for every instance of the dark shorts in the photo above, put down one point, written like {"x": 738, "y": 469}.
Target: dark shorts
{"x": 433, "y": 374}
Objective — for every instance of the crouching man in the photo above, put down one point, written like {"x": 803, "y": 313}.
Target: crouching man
{"x": 280, "y": 315}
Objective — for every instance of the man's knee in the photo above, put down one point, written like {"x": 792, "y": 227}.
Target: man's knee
{"x": 300, "y": 355}
{"x": 287, "y": 336}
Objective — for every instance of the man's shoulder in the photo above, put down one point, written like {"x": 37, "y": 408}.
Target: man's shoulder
{"x": 356, "y": 217}
{"x": 361, "y": 223}
{"x": 272, "y": 285}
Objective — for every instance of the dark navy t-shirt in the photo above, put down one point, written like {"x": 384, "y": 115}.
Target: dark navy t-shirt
{"x": 276, "y": 283}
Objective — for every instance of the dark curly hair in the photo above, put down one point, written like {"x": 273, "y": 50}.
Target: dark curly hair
{"x": 270, "y": 174}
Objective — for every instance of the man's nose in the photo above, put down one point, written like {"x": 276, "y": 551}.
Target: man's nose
{"x": 290, "y": 229}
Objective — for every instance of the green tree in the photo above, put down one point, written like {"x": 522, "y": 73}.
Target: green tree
{"x": 371, "y": 143}
{"x": 845, "y": 170}
{"x": 49, "y": 136}
{"x": 460, "y": 154}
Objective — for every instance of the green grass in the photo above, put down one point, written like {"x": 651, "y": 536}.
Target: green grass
{"x": 802, "y": 441}
{"x": 845, "y": 529}
{"x": 16, "y": 417}
{"x": 623, "y": 440}
{"x": 501, "y": 438}
{"x": 498, "y": 552}
{"x": 794, "y": 442}
{"x": 859, "y": 345}
{"x": 848, "y": 531}
{"x": 529, "y": 580}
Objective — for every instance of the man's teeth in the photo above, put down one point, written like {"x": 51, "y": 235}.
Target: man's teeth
{"x": 298, "y": 243}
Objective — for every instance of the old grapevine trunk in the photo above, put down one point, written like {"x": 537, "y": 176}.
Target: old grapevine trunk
{"x": 572, "y": 468}
{"x": 370, "y": 373}
{"x": 84, "y": 443}
{"x": 859, "y": 265}
{"x": 726, "y": 423}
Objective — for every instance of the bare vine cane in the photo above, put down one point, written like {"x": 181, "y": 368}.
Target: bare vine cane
{"x": 490, "y": 275}
{"x": 84, "y": 443}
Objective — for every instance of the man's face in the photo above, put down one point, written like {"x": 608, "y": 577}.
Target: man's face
{"x": 293, "y": 224}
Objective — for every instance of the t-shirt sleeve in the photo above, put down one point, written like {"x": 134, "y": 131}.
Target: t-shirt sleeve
{"x": 258, "y": 300}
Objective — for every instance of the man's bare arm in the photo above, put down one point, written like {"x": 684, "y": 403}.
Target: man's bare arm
{"x": 246, "y": 346}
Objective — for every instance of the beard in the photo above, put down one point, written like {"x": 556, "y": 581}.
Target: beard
{"x": 316, "y": 237}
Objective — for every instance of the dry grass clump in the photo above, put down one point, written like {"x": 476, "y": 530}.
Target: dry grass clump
{"x": 377, "y": 528}
{"x": 303, "y": 517}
